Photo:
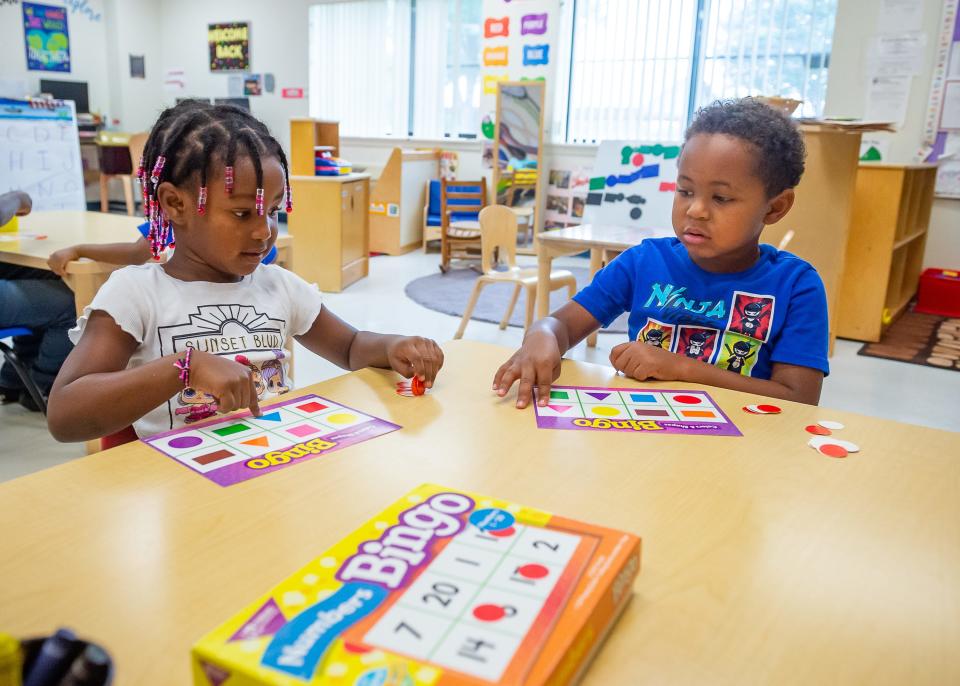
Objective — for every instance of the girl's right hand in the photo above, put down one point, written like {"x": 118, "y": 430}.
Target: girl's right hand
{"x": 58, "y": 260}
{"x": 231, "y": 383}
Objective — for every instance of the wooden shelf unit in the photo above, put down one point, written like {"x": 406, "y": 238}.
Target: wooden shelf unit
{"x": 305, "y": 134}
{"x": 888, "y": 234}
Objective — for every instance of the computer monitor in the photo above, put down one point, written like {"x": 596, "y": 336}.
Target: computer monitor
{"x": 239, "y": 102}
{"x": 68, "y": 90}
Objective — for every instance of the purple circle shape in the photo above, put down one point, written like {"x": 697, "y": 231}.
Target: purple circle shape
{"x": 185, "y": 442}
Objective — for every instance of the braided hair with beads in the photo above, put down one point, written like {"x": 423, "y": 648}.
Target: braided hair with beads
{"x": 190, "y": 138}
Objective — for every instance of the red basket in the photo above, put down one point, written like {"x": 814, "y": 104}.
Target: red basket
{"x": 939, "y": 292}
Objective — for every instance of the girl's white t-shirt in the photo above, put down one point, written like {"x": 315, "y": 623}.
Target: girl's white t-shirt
{"x": 247, "y": 321}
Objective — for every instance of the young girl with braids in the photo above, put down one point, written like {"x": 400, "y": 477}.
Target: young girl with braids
{"x": 162, "y": 340}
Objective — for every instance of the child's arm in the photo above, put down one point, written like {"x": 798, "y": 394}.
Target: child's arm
{"x": 332, "y": 338}
{"x": 95, "y": 396}
{"x": 787, "y": 381}
{"x": 537, "y": 362}
{"x": 136, "y": 252}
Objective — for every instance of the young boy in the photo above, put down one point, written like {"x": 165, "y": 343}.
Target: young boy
{"x": 711, "y": 306}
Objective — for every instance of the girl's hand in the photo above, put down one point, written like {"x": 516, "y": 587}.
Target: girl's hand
{"x": 415, "y": 356}
{"x": 643, "y": 361}
{"x": 536, "y": 363}
{"x": 58, "y": 260}
{"x": 231, "y": 383}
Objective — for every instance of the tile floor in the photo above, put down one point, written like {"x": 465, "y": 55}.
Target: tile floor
{"x": 858, "y": 384}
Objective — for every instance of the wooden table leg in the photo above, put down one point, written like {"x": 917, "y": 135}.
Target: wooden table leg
{"x": 545, "y": 264}
{"x": 596, "y": 262}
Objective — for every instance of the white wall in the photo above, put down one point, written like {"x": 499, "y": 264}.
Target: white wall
{"x": 847, "y": 96}
{"x": 278, "y": 45}
{"x": 132, "y": 29}
{"x": 88, "y": 59}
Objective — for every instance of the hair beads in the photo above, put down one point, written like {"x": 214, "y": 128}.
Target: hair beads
{"x": 202, "y": 200}
{"x": 259, "y": 202}
{"x": 289, "y": 204}
{"x": 157, "y": 170}
{"x": 228, "y": 179}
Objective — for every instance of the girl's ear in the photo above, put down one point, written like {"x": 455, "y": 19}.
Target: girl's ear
{"x": 174, "y": 202}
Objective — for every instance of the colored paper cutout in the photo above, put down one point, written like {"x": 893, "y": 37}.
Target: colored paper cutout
{"x": 490, "y": 83}
{"x": 535, "y": 55}
{"x": 496, "y": 57}
{"x": 668, "y": 186}
{"x": 650, "y": 171}
{"x": 535, "y": 24}
{"x": 494, "y": 27}
{"x": 668, "y": 152}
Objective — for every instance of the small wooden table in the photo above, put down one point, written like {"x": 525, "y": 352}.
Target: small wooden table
{"x": 602, "y": 242}
{"x": 763, "y": 561}
{"x": 64, "y": 228}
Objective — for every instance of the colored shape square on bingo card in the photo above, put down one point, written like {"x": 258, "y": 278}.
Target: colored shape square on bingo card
{"x": 478, "y": 590}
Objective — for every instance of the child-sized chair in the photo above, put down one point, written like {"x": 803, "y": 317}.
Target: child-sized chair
{"x": 432, "y": 223}
{"x": 460, "y": 204}
{"x": 11, "y": 356}
{"x": 498, "y": 234}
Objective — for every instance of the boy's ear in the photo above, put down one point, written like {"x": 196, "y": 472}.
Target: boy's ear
{"x": 779, "y": 206}
{"x": 174, "y": 202}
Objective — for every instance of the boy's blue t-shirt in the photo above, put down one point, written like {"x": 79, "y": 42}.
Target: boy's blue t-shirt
{"x": 775, "y": 311}
{"x": 271, "y": 256}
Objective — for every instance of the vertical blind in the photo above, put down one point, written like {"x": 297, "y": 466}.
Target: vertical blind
{"x": 626, "y": 68}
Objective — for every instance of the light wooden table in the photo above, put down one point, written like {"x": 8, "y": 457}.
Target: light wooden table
{"x": 64, "y": 228}
{"x": 603, "y": 242}
{"x": 763, "y": 561}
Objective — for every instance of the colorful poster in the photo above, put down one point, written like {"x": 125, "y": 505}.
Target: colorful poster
{"x": 46, "y": 37}
{"x": 229, "y": 46}
{"x": 566, "y": 197}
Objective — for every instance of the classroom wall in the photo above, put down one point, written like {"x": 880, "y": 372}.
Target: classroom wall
{"x": 133, "y": 29}
{"x": 847, "y": 96}
{"x": 279, "y": 35}
{"x": 87, "y": 55}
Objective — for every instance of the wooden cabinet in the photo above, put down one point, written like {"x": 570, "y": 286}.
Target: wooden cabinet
{"x": 888, "y": 233}
{"x": 330, "y": 224}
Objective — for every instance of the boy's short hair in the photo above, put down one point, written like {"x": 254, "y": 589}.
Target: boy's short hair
{"x": 779, "y": 145}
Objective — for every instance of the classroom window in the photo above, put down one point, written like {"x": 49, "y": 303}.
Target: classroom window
{"x": 425, "y": 83}
{"x": 639, "y": 68}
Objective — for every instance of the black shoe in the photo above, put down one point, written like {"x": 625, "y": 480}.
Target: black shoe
{"x": 9, "y": 395}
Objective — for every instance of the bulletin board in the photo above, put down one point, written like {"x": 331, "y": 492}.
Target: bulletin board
{"x": 942, "y": 126}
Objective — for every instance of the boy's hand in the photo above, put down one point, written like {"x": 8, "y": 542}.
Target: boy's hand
{"x": 58, "y": 260}
{"x": 415, "y": 356}
{"x": 231, "y": 383}
{"x": 642, "y": 361}
{"x": 537, "y": 363}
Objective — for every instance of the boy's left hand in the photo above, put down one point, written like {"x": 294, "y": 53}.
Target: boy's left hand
{"x": 643, "y": 361}
{"x": 415, "y": 356}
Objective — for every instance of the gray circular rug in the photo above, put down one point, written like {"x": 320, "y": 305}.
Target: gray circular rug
{"x": 449, "y": 293}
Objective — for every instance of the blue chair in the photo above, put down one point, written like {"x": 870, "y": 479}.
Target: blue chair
{"x": 18, "y": 366}
{"x": 432, "y": 220}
